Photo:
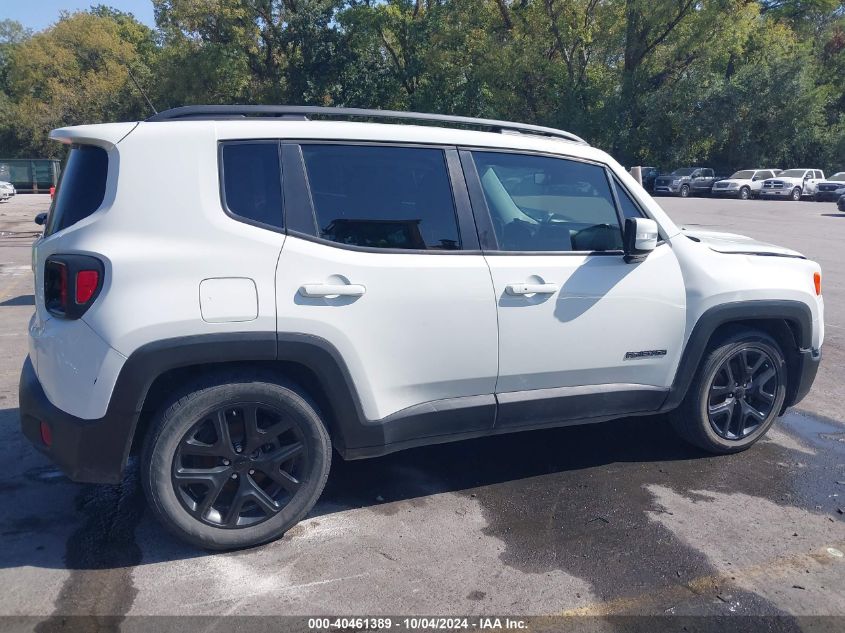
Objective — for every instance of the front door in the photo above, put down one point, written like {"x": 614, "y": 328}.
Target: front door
{"x": 386, "y": 280}
{"x": 581, "y": 333}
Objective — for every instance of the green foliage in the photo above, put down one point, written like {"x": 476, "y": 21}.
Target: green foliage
{"x": 731, "y": 83}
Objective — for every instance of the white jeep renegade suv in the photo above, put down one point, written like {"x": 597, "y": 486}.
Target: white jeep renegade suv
{"x": 231, "y": 292}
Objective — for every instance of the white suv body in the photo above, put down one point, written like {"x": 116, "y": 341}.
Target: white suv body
{"x": 792, "y": 184}
{"x": 743, "y": 184}
{"x": 387, "y": 286}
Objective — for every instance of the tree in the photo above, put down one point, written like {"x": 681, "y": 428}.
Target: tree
{"x": 74, "y": 72}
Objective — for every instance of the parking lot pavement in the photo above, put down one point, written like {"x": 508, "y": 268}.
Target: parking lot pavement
{"x": 606, "y": 519}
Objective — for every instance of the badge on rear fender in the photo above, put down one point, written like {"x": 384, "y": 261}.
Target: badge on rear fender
{"x": 648, "y": 353}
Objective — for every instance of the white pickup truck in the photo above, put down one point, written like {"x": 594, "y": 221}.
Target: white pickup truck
{"x": 792, "y": 184}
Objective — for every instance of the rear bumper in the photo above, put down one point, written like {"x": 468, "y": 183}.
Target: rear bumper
{"x": 91, "y": 451}
{"x": 807, "y": 368}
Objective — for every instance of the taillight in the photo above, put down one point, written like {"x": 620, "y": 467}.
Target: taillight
{"x": 79, "y": 277}
{"x": 86, "y": 285}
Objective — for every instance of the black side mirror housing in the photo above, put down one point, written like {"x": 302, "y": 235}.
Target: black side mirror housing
{"x": 639, "y": 239}
{"x": 41, "y": 218}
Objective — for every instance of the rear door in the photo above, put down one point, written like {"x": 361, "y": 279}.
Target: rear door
{"x": 382, "y": 263}
{"x": 581, "y": 333}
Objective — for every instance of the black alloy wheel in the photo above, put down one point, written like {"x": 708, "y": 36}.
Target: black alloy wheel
{"x": 742, "y": 393}
{"x": 240, "y": 465}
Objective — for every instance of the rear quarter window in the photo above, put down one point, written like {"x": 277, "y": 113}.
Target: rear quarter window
{"x": 81, "y": 189}
{"x": 251, "y": 174}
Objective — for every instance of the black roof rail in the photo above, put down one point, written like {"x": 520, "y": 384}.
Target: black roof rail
{"x": 301, "y": 113}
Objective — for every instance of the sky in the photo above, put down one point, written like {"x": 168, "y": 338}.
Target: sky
{"x": 38, "y": 14}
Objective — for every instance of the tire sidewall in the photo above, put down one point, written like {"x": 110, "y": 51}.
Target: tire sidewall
{"x": 714, "y": 361}
{"x": 181, "y": 415}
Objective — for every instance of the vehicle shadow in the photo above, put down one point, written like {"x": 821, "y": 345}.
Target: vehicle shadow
{"x": 103, "y": 518}
{"x": 833, "y": 215}
{"x": 22, "y": 300}
{"x": 503, "y": 458}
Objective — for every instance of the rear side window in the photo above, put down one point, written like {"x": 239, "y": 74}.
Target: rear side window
{"x": 252, "y": 182}
{"x": 539, "y": 203}
{"x": 81, "y": 189}
{"x": 382, "y": 197}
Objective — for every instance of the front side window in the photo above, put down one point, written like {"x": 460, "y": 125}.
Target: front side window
{"x": 382, "y": 197}
{"x": 82, "y": 187}
{"x": 252, "y": 181}
{"x": 626, "y": 203}
{"x": 538, "y": 203}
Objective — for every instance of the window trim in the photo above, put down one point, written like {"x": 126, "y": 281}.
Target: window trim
{"x": 221, "y": 178}
{"x": 464, "y": 220}
{"x": 483, "y": 219}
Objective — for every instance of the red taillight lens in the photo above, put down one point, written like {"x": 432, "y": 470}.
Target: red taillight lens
{"x": 817, "y": 282}
{"x": 86, "y": 285}
{"x": 46, "y": 434}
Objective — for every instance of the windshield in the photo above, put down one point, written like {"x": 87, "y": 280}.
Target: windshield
{"x": 743, "y": 175}
{"x": 686, "y": 171}
{"x": 840, "y": 177}
{"x": 791, "y": 173}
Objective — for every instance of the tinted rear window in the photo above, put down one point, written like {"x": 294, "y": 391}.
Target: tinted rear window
{"x": 252, "y": 181}
{"x": 382, "y": 197}
{"x": 81, "y": 189}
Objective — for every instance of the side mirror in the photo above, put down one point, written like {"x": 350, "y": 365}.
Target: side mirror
{"x": 640, "y": 239}
{"x": 41, "y": 218}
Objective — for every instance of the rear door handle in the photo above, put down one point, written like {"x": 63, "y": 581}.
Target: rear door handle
{"x": 531, "y": 289}
{"x": 332, "y": 290}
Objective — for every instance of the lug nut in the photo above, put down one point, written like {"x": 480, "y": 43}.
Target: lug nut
{"x": 251, "y": 471}
{"x": 226, "y": 462}
{"x": 234, "y": 475}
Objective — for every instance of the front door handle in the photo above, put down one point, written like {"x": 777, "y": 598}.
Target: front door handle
{"x": 332, "y": 290}
{"x": 531, "y": 289}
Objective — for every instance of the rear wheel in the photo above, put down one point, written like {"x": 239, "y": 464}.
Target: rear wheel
{"x": 235, "y": 461}
{"x": 796, "y": 194}
{"x": 736, "y": 395}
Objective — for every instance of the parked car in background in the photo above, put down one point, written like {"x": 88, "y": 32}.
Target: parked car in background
{"x": 841, "y": 204}
{"x": 831, "y": 189}
{"x": 685, "y": 181}
{"x": 792, "y": 184}
{"x": 7, "y": 191}
{"x": 743, "y": 184}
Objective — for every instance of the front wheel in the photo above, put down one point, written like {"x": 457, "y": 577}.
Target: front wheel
{"x": 736, "y": 394}
{"x": 744, "y": 193}
{"x": 796, "y": 194}
{"x": 685, "y": 191}
{"x": 235, "y": 461}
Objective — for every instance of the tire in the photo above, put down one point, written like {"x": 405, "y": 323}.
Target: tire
{"x": 287, "y": 456}
{"x": 744, "y": 193}
{"x": 796, "y": 194}
{"x": 696, "y": 420}
{"x": 684, "y": 191}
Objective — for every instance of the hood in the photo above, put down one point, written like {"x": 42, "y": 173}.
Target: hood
{"x": 738, "y": 244}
